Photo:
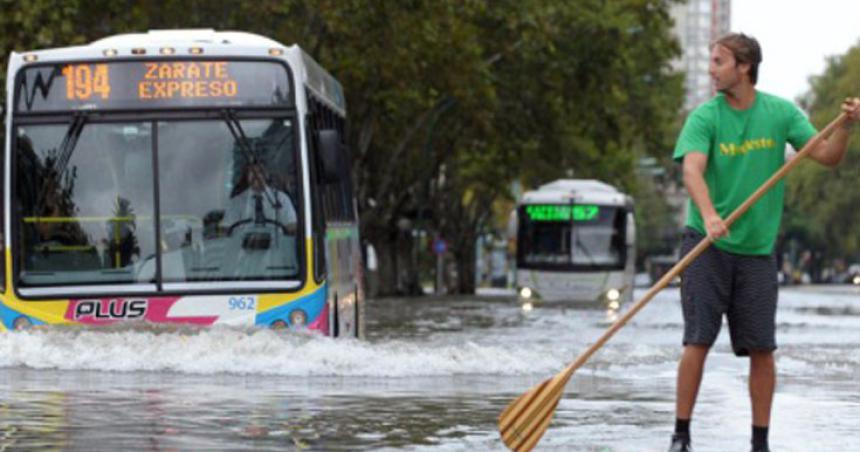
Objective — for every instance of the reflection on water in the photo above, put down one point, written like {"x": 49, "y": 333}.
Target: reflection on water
{"x": 113, "y": 411}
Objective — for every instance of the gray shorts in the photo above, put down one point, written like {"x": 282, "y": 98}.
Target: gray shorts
{"x": 743, "y": 288}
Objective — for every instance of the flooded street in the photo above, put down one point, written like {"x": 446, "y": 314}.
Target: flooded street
{"x": 433, "y": 375}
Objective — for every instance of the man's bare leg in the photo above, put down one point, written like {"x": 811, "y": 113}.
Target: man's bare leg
{"x": 690, "y": 370}
{"x": 762, "y": 384}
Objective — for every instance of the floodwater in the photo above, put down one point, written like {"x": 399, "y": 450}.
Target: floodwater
{"x": 433, "y": 375}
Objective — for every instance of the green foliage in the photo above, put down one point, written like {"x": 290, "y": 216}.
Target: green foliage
{"x": 450, "y": 100}
{"x": 656, "y": 228}
{"x": 822, "y": 203}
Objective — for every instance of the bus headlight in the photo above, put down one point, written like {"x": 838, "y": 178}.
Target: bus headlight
{"x": 298, "y": 318}
{"x": 857, "y": 280}
{"x": 613, "y": 294}
{"x": 612, "y": 298}
{"x": 526, "y": 293}
{"x": 21, "y": 323}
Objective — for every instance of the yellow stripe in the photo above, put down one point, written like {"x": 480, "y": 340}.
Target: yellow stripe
{"x": 269, "y": 301}
{"x": 67, "y": 247}
{"x": 90, "y": 219}
{"x": 74, "y": 219}
{"x": 50, "y": 311}
{"x": 7, "y": 289}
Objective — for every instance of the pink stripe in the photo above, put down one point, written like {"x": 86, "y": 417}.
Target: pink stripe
{"x": 321, "y": 322}
{"x": 105, "y": 311}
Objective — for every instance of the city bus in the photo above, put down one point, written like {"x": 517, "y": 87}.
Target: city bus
{"x": 178, "y": 177}
{"x": 575, "y": 243}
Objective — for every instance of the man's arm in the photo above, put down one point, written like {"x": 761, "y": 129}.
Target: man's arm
{"x": 831, "y": 151}
{"x": 694, "y": 180}
{"x": 286, "y": 213}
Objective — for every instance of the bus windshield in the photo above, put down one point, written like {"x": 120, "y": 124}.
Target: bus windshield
{"x": 143, "y": 202}
{"x": 570, "y": 237}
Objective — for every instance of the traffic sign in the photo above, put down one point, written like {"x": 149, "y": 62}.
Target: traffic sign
{"x": 440, "y": 246}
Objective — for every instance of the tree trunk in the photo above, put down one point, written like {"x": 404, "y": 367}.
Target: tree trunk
{"x": 397, "y": 273}
{"x": 386, "y": 252}
{"x": 407, "y": 265}
{"x": 466, "y": 268}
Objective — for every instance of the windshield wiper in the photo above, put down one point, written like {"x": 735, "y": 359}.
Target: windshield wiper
{"x": 580, "y": 245}
{"x": 64, "y": 153}
{"x": 239, "y": 135}
{"x": 70, "y": 140}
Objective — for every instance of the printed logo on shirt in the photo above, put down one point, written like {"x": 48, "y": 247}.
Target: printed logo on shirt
{"x": 761, "y": 144}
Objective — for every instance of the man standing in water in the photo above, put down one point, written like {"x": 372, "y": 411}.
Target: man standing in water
{"x": 729, "y": 147}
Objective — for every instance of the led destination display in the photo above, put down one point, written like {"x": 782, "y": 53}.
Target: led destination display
{"x": 556, "y": 212}
{"x": 152, "y": 84}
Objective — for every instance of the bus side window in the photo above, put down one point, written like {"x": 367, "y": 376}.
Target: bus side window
{"x": 332, "y": 192}
{"x": 316, "y": 206}
{"x": 619, "y": 237}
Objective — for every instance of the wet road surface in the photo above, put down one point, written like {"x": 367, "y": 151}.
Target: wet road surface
{"x": 433, "y": 375}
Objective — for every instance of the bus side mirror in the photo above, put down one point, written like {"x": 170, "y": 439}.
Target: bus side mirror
{"x": 3, "y": 114}
{"x": 330, "y": 155}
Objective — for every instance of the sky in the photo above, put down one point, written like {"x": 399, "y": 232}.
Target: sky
{"x": 796, "y": 37}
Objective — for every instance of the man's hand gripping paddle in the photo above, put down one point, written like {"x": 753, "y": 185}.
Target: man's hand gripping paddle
{"x": 525, "y": 420}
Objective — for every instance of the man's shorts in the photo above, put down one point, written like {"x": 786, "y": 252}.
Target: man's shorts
{"x": 744, "y": 288}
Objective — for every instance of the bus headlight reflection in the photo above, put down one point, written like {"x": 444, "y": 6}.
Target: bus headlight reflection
{"x": 611, "y": 315}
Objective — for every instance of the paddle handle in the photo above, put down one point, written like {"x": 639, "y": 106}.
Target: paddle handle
{"x": 703, "y": 245}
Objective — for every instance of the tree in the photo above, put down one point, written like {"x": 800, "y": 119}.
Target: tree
{"x": 821, "y": 202}
{"x": 450, "y": 100}
{"x": 582, "y": 88}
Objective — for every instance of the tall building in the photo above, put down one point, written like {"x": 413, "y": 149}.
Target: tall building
{"x": 697, "y": 24}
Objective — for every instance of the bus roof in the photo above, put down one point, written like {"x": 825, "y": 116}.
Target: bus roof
{"x": 186, "y": 37}
{"x": 565, "y": 191}
{"x": 211, "y": 42}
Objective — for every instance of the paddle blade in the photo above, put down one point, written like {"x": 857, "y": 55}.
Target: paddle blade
{"x": 525, "y": 420}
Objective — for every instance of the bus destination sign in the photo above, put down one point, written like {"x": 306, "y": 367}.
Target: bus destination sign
{"x": 152, "y": 84}
{"x": 556, "y": 212}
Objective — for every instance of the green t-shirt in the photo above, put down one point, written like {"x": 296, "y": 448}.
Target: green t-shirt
{"x": 744, "y": 148}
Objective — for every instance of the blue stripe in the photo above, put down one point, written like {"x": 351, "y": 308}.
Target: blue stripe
{"x": 8, "y": 316}
{"x": 312, "y": 304}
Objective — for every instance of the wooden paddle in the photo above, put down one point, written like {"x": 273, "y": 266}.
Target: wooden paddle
{"x": 525, "y": 420}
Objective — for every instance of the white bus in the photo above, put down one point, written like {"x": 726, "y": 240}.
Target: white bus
{"x": 182, "y": 176}
{"x": 575, "y": 242}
